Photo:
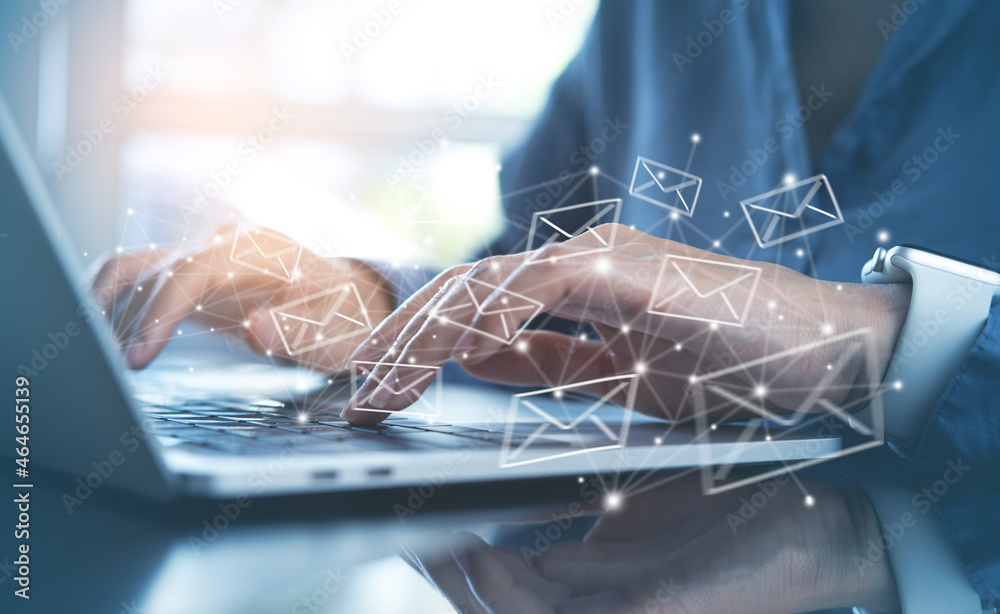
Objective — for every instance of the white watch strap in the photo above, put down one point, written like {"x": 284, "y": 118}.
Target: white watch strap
{"x": 947, "y": 314}
{"x": 929, "y": 575}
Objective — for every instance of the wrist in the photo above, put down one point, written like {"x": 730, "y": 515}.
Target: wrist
{"x": 854, "y": 577}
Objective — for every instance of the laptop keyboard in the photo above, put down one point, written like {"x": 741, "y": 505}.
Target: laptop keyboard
{"x": 266, "y": 427}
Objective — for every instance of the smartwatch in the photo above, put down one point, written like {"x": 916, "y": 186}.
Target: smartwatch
{"x": 949, "y": 306}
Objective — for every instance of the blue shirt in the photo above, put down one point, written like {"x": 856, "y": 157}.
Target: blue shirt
{"x": 918, "y": 158}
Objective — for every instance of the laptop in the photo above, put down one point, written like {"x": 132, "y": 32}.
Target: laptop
{"x": 205, "y": 425}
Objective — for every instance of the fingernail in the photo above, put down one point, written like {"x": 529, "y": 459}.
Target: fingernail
{"x": 348, "y": 413}
{"x": 382, "y": 394}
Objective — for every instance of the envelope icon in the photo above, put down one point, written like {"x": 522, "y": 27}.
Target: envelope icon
{"x": 704, "y": 290}
{"x": 267, "y": 252}
{"x": 665, "y": 186}
{"x": 554, "y": 225}
{"x": 557, "y": 422}
{"x": 800, "y": 433}
{"x": 792, "y": 211}
{"x": 513, "y": 310}
{"x": 426, "y": 405}
{"x": 305, "y": 323}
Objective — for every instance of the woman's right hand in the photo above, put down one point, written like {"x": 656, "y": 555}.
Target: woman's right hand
{"x": 253, "y": 280}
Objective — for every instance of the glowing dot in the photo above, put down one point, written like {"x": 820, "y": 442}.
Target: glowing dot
{"x": 189, "y": 259}
{"x": 266, "y": 271}
{"x": 180, "y": 332}
{"x": 788, "y": 178}
{"x": 827, "y": 329}
{"x": 658, "y": 440}
{"x": 674, "y": 215}
{"x": 411, "y": 360}
{"x": 494, "y": 265}
{"x": 558, "y": 394}
{"x": 898, "y": 385}
{"x": 139, "y": 288}
{"x": 840, "y": 287}
{"x": 829, "y": 367}
{"x": 319, "y": 336}
{"x": 505, "y": 300}
{"x": 522, "y": 346}
{"x": 603, "y": 264}
{"x": 130, "y": 212}
{"x": 190, "y": 369}
{"x": 695, "y": 137}
{"x": 465, "y": 356}
{"x": 197, "y": 308}
{"x": 725, "y": 214}
{"x": 799, "y": 252}
{"x": 302, "y": 417}
{"x": 84, "y": 253}
{"x": 157, "y": 320}
{"x": 594, "y": 170}
{"x": 716, "y": 243}
{"x": 152, "y": 246}
{"x": 781, "y": 317}
{"x": 678, "y": 347}
{"x": 693, "y": 379}
{"x": 613, "y": 500}
{"x": 246, "y": 323}
{"x": 216, "y": 238}
{"x": 583, "y": 336}
{"x": 329, "y": 381}
{"x": 883, "y": 236}
{"x": 810, "y": 501}
{"x": 661, "y": 175}
{"x": 170, "y": 273}
{"x": 714, "y": 426}
{"x": 640, "y": 367}
{"x": 268, "y": 352}
{"x": 760, "y": 391}
{"x": 434, "y": 336}
{"x": 212, "y": 330}
{"x": 580, "y": 479}
{"x": 772, "y": 304}
{"x": 767, "y": 438}
{"x": 714, "y": 325}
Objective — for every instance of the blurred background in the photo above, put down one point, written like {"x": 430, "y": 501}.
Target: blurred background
{"x": 366, "y": 128}
{"x": 371, "y": 129}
